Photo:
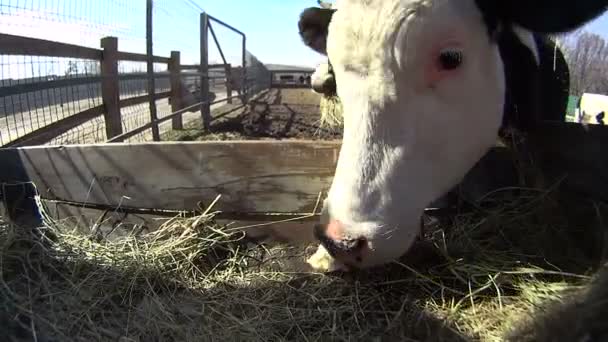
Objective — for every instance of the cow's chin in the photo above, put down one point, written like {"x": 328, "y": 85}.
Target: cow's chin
{"x": 390, "y": 248}
{"x": 387, "y": 242}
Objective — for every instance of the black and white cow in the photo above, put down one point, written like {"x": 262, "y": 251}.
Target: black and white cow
{"x": 425, "y": 86}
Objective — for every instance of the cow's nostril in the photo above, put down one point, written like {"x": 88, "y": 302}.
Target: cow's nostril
{"x": 349, "y": 250}
{"x": 352, "y": 245}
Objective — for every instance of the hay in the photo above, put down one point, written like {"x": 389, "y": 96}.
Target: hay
{"x": 487, "y": 274}
{"x": 331, "y": 111}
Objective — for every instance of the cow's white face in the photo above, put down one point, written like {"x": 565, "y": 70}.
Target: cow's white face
{"x": 422, "y": 87}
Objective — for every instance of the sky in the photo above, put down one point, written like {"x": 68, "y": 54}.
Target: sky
{"x": 270, "y": 26}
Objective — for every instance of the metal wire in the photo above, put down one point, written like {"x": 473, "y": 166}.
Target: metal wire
{"x": 176, "y": 27}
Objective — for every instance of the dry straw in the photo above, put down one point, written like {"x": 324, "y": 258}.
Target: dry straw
{"x": 331, "y": 111}
{"x": 479, "y": 277}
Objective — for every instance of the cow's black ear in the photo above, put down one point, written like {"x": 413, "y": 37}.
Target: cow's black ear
{"x": 544, "y": 16}
{"x": 314, "y": 25}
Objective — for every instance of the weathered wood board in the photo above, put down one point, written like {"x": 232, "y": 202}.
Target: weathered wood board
{"x": 111, "y": 224}
{"x": 252, "y": 176}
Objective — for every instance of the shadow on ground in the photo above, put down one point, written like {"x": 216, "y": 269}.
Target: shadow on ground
{"x": 516, "y": 271}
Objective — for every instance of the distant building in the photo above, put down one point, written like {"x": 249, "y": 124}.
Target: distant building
{"x": 287, "y": 75}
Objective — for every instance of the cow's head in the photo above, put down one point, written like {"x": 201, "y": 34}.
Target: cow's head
{"x": 422, "y": 86}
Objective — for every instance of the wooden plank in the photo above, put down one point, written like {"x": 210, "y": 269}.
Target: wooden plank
{"x": 132, "y": 101}
{"x": 16, "y": 45}
{"x": 47, "y": 133}
{"x": 44, "y": 85}
{"x": 205, "y": 106}
{"x": 198, "y": 67}
{"x": 110, "y": 87}
{"x": 576, "y": 152}
{"x": 190, "y": 67}
{"x": 136, "y": 57}
{"x": 140, "y": 129}
{"x": 176, "y": 89}
{"x": 71, "y": 82}
{"x": 251, "y": 176}
{"x": 217, "y": 66}
{"x": 132, "y": 133}
{"x": 57, "y": 128}
{"x": 111, "y": 224}
{"x": 150, "y": 70}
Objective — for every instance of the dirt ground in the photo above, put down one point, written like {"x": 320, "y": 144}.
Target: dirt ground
{"x": 278, "y": 114}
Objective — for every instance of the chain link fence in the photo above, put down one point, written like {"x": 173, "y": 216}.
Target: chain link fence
{"x": 43, "y": 96}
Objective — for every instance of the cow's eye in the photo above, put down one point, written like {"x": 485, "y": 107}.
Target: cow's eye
{"x": 450, "y": 59}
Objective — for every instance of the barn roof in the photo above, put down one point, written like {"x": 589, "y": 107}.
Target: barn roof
{"x": 294, "y": 68}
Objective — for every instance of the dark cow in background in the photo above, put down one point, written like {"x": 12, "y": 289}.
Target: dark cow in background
{"x": 426, "y": 87}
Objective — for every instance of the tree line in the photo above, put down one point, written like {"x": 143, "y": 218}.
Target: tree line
{"x": 587, "y": 57}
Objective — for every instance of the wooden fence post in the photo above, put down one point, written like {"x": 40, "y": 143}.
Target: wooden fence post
{"x": 205, "y": 106}
{"x": 150, "y": 71}
{"x": 110, "y": 86}
{"x": 229, "y": 83}
{"x": 176, "y": 88}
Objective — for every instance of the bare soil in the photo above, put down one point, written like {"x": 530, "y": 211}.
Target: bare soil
{"x": 278, "y": 114}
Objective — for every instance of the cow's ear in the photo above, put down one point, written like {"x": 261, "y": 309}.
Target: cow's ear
{"x": 314, "y": 25}
{"x": 544, "y": 16}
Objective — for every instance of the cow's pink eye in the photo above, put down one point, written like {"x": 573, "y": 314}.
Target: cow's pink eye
{"x": 450, "y": 59}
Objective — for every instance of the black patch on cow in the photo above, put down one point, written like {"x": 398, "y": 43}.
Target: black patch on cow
{"x": 313, "y": 27}
{"x": 534, "y": 92}
{"x": 543, "y": 16}
{"x": 491, "y": 20}
{"x": 600, "y": 118}
{"x": 522, "y": 82}
{"x": 555, "y": 80}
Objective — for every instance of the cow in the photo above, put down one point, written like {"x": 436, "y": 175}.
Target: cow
{"x": 426, "y": 87}
{"x": 591, "y": 109}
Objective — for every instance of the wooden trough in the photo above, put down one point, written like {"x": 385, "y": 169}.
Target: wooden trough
{"x": 115, "y": 187}
{"x": 136, "y": 184}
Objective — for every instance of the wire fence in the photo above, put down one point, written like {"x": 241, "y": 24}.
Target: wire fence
{"x": 41, "y": 91}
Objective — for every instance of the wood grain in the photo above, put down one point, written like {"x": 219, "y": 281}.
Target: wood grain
{"x": 111, "y": 224}
{"x": 176, "y": 89}
{"x": 251, "y": 176}
{"x": 110, "y": 87}
{"x": 16, "y": 45}
{"x": 57, "y": 128}
{"x": 136, "y": 57}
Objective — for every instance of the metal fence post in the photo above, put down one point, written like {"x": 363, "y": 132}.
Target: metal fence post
{"x": 150, "y": 66}
{"x": 205, "y": 106}
{"x": 229, "y": 83}
{"x": 176, "y": 88}
{"x": 244, "y": 85}
{"x": 110, "y": 87}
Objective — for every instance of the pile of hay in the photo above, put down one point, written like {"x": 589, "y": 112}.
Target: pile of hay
{"x": 488, "y": 274}
{"x": 331, "y": 111}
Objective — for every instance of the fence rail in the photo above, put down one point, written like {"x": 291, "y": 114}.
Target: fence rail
{"x": 112, "y": 85}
